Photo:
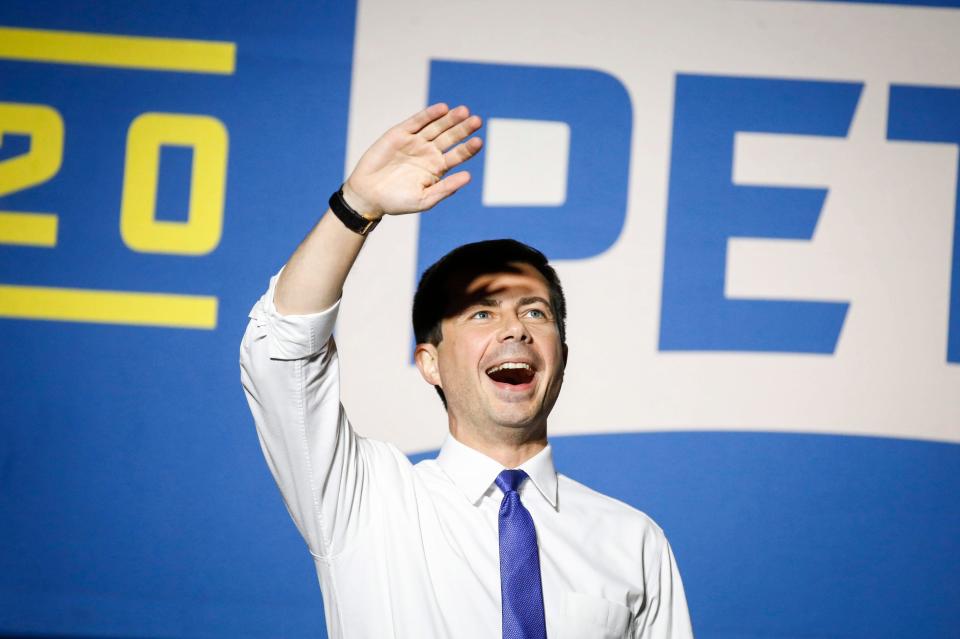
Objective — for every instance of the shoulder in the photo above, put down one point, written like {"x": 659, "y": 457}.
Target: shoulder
{"x": 608, "y": 513}
{"x": 429, "y": 472}
{"x": 384, "y": 455}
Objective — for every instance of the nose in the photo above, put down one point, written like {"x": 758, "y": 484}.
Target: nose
{"x": 514, "y": 329}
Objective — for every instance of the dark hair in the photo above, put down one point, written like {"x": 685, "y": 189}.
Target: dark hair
{"x": 431, "y": 303}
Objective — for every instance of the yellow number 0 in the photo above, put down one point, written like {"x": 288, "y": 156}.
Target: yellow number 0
{"x": 139, "y": 227}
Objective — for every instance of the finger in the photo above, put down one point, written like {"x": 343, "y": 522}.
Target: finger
{"x": 458, "y": 133}
{"x": 438, "y": 126}
{"x": 444, "y": 189}
{"x": 422, "y": 118}
{"x": 462, "y": 152}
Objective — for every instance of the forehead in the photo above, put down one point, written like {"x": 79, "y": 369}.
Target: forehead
{"x": 513, "y": 279}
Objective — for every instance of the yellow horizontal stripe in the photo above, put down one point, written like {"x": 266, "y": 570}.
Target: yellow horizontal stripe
{"x": 28, "y": 229}
{"x": 133, "y": 52}
{"x": 108, "y": 307}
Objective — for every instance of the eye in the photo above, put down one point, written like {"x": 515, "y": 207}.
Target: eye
{"x": 536, "y": 313}
{"x": 481, "y": 315}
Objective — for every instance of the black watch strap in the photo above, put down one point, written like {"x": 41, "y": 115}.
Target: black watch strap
{"x": 350, "y": 218}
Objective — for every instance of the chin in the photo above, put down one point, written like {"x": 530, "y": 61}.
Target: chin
{"x": 520, "y": 419}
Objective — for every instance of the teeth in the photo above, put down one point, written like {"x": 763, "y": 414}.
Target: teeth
{"x": 508, "y": 365}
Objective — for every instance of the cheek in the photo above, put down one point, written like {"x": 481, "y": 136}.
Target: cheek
{"x": 458, "y": 358}
{"x": 468, "y": 347}
{"x": 550, "y": 345}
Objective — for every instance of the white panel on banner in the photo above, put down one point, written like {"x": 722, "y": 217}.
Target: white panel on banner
{"x": 878, "y": 254}
{"x": 525, "y": 162}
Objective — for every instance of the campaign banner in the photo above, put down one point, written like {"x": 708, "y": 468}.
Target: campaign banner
{"x": 753, "y": 208}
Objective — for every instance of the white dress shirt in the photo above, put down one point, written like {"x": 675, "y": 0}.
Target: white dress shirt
{"x": 413, "y": 551}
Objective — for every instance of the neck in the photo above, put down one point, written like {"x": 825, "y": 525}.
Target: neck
{"x": 510, "y": 446}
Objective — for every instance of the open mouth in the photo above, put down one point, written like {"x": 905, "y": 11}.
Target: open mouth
{"x": 512, "y": 373}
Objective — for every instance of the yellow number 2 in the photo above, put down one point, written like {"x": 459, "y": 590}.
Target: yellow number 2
{"x": 45, "y": 127}
{"x": 139, "y": 227}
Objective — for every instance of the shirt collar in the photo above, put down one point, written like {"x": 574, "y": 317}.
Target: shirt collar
{"x": 473, "y": 473}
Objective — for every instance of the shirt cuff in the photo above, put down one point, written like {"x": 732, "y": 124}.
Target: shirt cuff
{"x": 292, "y": 336}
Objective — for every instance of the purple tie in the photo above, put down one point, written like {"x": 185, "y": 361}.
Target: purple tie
{"x": 521, "y": 592}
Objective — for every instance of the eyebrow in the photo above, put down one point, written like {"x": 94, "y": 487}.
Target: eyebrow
{"x": 526, "y": 301}
{"x": 523, "y": 301}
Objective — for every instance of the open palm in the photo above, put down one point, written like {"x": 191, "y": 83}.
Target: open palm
{"x": 405, "y": 171}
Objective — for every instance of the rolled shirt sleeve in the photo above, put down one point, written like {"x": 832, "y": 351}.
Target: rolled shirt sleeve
{"x": 290, "y": 375}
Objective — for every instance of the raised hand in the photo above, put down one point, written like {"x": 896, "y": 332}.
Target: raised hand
{"x": 405, "y": 171}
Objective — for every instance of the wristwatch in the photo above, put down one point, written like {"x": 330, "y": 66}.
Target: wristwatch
{"x": 350, "y": 218}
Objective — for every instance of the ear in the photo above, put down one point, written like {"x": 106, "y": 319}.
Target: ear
{"x": 427, "y": 363}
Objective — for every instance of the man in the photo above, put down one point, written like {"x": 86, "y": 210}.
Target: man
{"x": 487, "y": 540}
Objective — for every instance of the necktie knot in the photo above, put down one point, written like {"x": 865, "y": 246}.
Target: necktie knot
{"x": 510, "y": 480}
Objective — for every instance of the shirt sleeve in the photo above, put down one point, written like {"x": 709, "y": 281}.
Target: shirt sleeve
{"x": 290, "y": 375}
{"x": 665, "y": 615}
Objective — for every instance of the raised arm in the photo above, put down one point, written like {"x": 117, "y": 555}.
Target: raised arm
{"x": 405, "y": 171}
{"x": 288, "y": 360}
